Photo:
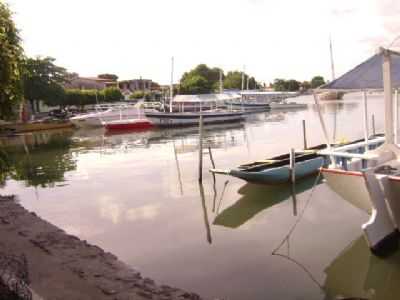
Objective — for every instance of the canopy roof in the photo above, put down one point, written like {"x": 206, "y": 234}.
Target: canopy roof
{"x": 367, "y": 75}
{"x": 206, "y": 97}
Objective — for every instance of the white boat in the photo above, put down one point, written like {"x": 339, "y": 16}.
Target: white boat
{"x": 371, "y": 181}
{"x": 106, "y": 113}
{"x": 287, "y": 105}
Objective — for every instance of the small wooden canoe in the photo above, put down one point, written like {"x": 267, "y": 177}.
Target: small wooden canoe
{"x": 276, "y": 170}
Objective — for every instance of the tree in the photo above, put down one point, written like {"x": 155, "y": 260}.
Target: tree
{"x": 112, "y": 94}
{"x": 137, "y": 95}
{"x": 200, "y": 80}
{"x": 195, "y": 84}
{"x": 11, "y": 57}
{"x": 305, "y": 85}
{"x": 111, "y": 77}
{"x": 286, "y": 85}
{"x": 233, "y": 80}
{"x": 317, "y": 81}
{"x": 42, "y": 79}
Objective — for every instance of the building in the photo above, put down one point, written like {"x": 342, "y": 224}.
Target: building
{"x": 89, "y": 83}
{"x": 138, "y": 85}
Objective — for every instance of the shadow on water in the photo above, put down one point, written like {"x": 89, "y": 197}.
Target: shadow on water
{"x": 357, "y": 273}
{"x": 256, "y": 198}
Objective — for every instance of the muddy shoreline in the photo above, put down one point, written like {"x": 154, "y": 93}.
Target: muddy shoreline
{"x": 61, "y": 266}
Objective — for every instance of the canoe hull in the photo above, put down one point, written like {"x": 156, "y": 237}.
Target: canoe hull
{"x": 140, "y": 124}
{"x": 281, "y": 174}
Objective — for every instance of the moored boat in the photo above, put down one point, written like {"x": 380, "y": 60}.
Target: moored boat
{"x": 277, "y": 169}
{"x": 171, "y": 119}
{"x": 128, "y": 124}
{"x": 371, "y": 181}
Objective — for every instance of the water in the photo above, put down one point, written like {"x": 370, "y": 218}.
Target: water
{"x": 137, "y": 196}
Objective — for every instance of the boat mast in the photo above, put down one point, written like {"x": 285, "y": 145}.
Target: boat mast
{"x": 171, "y": 88}
{"x": 244, "y": 68}
{"x": 332, "y": 64}
{"x": 221, "y": 86}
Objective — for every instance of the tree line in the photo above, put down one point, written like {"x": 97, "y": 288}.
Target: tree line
{"x": 205, "y": 80}
{"x": 294, "y": 85}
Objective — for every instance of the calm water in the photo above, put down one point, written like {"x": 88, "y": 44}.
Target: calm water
{"x": 137, "y": 196}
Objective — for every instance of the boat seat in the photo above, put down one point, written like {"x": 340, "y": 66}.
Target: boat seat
{"x": 386, "y": 170}
{"x": 266, "y": 161}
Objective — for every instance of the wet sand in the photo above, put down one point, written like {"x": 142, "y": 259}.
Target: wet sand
{"x": 61, "y": 266}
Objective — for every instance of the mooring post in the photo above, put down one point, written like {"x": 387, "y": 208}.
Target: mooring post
{"x": 373, "y": 124}
{"x": 293, "y": 179}
{"x": 201, "y": 148}
{"x": 304, "y": 135}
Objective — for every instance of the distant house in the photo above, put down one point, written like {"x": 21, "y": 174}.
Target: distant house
{"x": 138, "y": 85}
{"x": 89, "y": 83}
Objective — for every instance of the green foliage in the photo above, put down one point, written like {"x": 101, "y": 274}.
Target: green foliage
{"x": 305, "y": 85}
{"x": 317, "y": 81}
{"x": 286, "y": 85}
{"x": 137, "y": 95}
{"x": 111, "y": 94}
{"x": 80, "y": 98}
{"x": 195, "y": 84}
{"x": 200, "y": 80}
{"x": 233, "y": 80}
{"x": 112, "y": 77}
{"x": 11, "y": 57}
{"x": 42, "y": 81}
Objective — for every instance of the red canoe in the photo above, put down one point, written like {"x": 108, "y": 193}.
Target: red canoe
{"x": 128, "y": 124}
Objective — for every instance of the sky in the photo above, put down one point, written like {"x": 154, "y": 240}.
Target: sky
{"x": 270, "y": 38}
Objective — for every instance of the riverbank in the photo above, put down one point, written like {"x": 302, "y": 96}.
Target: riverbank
{"x": 61, "y": 266}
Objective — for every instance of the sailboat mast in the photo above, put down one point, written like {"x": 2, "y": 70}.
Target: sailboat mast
{"x": 171, "y": 88}
{"x": 243, "y": 77}
{"x": 221, "y": 87}
{"x": 332, "y": 64}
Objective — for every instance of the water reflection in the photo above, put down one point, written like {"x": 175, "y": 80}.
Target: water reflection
{"x": 358, "y": 273}
{"x": 37, "y": 159}
{"x": 255, "y": 198}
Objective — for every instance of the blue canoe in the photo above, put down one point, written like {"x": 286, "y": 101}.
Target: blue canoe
{"x": 276, "y": 170}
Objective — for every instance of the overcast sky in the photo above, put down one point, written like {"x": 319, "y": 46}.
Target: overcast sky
{"x": 272, "y": 38}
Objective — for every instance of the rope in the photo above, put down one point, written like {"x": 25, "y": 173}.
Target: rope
{"x": 300, "y": 215}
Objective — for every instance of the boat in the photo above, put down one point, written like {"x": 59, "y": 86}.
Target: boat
{"x": 276, "y": 170}
{"x": 184, "y": 118}
{"x": 371, "y": 181}
{"x": 176, "y": 119}
{"x": 127, "y": 124}
{"x": 287, "y": 105}
{"x": 248, "y": 106}
{"x": 106, "y": 113}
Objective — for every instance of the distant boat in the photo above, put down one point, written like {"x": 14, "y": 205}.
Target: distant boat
{"x": 106, "y": 113}
{"x": 287, "y": 105}
{"x": 167, "y": 119}
{"x": 128, "y": 124}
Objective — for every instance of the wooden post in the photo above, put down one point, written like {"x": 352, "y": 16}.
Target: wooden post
{"x": 211, "y": 157}
{"x": 201, "y": 148}
{"x": 373, "y": 125}
{"x": 293, "y": 179}
{"x": 304, "y": 135}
